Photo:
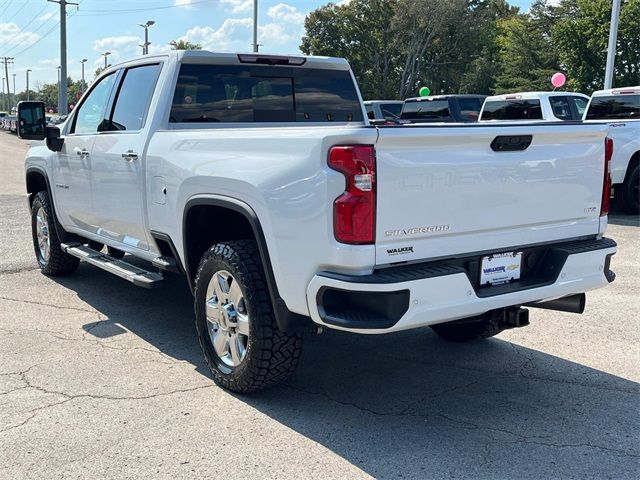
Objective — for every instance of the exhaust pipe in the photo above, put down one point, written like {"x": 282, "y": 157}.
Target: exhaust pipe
{"x": 570, "y": 303}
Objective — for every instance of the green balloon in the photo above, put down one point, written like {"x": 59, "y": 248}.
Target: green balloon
{"x": 424, "y": 91}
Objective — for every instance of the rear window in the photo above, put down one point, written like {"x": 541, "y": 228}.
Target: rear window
{"x": 240, "y": 93}
{"x": 614, "y": 107}
{"x": 470, "y": 108}
{"x": 512, "y": 110}
{"x": 427, "y": 110}
{"x": 391, "y": 111}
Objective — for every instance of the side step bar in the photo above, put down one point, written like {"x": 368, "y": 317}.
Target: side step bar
{"x": 136, "y": 275}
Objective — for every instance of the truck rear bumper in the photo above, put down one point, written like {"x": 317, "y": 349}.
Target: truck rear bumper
{"x": 412, "y": 296}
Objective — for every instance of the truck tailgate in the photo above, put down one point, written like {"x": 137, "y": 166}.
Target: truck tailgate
{"x": 442, "y": 191}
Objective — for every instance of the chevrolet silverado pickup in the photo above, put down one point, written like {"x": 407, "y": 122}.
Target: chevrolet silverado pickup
{"x": 260, "y": 180}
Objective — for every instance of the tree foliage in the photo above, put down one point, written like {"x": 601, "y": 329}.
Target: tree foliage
{"x": 184, "y": 45}
{"x": 473, "y": 46}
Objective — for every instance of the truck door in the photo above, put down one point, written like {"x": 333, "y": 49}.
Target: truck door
{"x": 118, "y": 175}
{"x": 72, "y": 168}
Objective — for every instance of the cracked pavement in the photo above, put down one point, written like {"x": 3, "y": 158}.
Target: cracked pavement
{"x": 100, "y": 379}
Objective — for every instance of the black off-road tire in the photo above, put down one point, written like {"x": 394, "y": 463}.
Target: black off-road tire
{"x": 629, "y": 200}
{"x": 59, "y": 262}
{"x": 271, "y": 354}
{"x": 486, "y": 326}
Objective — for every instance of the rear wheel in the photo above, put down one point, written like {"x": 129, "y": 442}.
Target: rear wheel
{"x": 630, "y": 190}
{"x": 51, "y": 258}
{"x": 483, "y": 326}
{"x": 236, "y": 326}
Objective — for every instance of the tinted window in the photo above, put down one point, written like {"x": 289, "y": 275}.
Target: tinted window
{"x": 90, "y": 117}
{"x": 370, "y": 113}
{"x": 391, "y": 111}
{"x": 580, "y": 104}
{"x": 134, "y": 97}
{"x": 512, "y": 110}
{"x": 427, "y": 110}
{"x": 470, "y": 108}
{"x": 560, "y": 107}
{"x": 217, "y": 93}
{"x": 614, "y": 107}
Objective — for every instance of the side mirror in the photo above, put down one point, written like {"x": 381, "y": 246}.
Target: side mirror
{"x": 31, "y": 121}
{"x": 54, "y": 142}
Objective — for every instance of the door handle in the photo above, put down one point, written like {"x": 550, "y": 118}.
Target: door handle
{"x": 130, "y": 156}
{"x": 84, "y": 153}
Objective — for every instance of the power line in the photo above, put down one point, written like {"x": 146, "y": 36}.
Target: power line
{"x": 6, "y": 5}
{"x": 22, "y": 29}
{"x": 94, "y": 13}
{"x": 17, "y": 12}
{"x": 56, "y": 22}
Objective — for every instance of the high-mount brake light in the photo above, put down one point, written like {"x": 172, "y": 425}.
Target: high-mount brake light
{"x": 354, "y": 212}
{"x": 271, "y": 59}
{"x": 627, "y": 92}
{"x": 606, "y": 184}
{"x": 512, "y": 97}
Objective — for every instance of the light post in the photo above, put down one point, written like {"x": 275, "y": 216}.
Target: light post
{"x": 105, "y": 55}
{"x": 83, "y": 61}
{"x": 15, "y": 94}
{"x": 59, "y": 93}
{"x": 3, "y": 101}
{"x": 27, "y": 72}
{"x": 255, "y": 26}
{"x": 145, "y": 46}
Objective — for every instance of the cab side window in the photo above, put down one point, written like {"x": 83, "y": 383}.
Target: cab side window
{"x": 91, "y": 115}
{"x": 560, "y": 107}
{"x": 134, "y": 97}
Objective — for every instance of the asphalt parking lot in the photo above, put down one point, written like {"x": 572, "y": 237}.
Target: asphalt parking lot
{"x": 100, "y": 379}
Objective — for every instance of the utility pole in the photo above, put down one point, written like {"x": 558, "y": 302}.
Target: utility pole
{"x": 255, "y": 26}
{"x": 7, "y": 61}
{"x": 28, "y": 96}
{"x": 63, "y": 108}
{"x": 613, "y": 40}
{"x": 3, "y": 103}
{"x": 15, "y": 92}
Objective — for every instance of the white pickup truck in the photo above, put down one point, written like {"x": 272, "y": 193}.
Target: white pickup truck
{"x": 260, "y": 180}
{"x": 534, "y": 106}
{"x": 620, "y": 108}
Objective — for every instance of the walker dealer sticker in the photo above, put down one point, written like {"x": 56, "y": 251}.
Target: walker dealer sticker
{"x": 500, "y": 268}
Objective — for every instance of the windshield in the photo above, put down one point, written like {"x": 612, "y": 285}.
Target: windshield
{"x": 512, "y": 110}
{"x": 614, "y": 107}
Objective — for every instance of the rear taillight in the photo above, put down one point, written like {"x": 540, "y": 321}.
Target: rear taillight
{"x": 606, "y": 187}
{"x": 354, "y": 212}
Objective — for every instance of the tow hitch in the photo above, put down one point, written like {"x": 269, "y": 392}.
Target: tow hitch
{"x": 514, "y": 317}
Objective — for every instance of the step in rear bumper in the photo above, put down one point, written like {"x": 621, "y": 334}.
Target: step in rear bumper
{"x": 406, "y": 297}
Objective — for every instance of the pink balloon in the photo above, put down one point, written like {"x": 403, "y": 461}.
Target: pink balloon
{"x": 558, "y": 79}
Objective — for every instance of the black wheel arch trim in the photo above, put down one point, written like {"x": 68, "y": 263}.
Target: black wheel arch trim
{"x": 174, "y": 251}
{"x": 286, "y": 320}
{"x": 63, "y": 235}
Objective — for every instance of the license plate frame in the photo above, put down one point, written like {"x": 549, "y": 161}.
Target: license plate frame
{"x": 500, "y": 268}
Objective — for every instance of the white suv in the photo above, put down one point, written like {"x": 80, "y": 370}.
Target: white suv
{"x": 545, "y": 106}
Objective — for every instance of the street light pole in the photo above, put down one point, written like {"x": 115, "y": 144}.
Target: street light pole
{"x": 105, "y": 55}
{"x": 59, "y": 92}
{"x": 145, "y": 46}
{"x": 3, "y": 101}
{"x": 15, "y": 93}
{"x": 83, "y": 61}
{"x": 255, "y": 26}
{"x": 613, "y": 40}
{"x": 28, "y": 96}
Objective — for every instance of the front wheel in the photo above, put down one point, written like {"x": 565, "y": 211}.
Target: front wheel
{"x": 51, "y": 258}
{"x": 235, "y": 322}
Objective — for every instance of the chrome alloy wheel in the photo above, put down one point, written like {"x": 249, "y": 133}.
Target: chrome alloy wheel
{"x": 42, "y": 234}
{"x": 227, "y": 318}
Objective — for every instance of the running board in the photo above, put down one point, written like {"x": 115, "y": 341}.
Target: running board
{"x": 136, "y": 275}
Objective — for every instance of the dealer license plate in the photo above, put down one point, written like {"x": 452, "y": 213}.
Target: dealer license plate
{"x": 500, "y": 268}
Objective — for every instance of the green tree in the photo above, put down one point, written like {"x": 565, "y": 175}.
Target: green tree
{"x": 581, "y": 33}
{"x": 184, "y": 45}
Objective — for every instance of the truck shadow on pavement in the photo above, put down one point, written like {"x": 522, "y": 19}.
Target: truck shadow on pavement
{"x": 410, "y": 405}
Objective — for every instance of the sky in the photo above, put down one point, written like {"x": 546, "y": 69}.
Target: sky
{"x": 29, "y": 30}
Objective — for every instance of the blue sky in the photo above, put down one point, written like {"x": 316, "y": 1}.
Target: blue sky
{"x": 29, "y": 30}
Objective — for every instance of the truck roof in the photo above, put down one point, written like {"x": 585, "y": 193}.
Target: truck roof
{"x": 532, "y": 95}
{"x": 226, "y": 58}
{"x": 617, "y": 91}
{"x": 445, "y": 96}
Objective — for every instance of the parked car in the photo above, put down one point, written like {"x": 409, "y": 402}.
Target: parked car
{"x": 545, "y": 106}
{"x": 290, "y": 216}
{"x": 442, "y": 108}
{"x": 620, "y": 108}
{"x": 388, "y": 110}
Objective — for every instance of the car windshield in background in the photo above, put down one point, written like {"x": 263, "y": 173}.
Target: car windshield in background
{"x": 470, "y": 108}
{"x": 239, "y": 93}
{"x": 427, "y": 110}
{"x": 512, "y": 110}
{"x": 391, "y": 111}
{"x": 614, "y": 107}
